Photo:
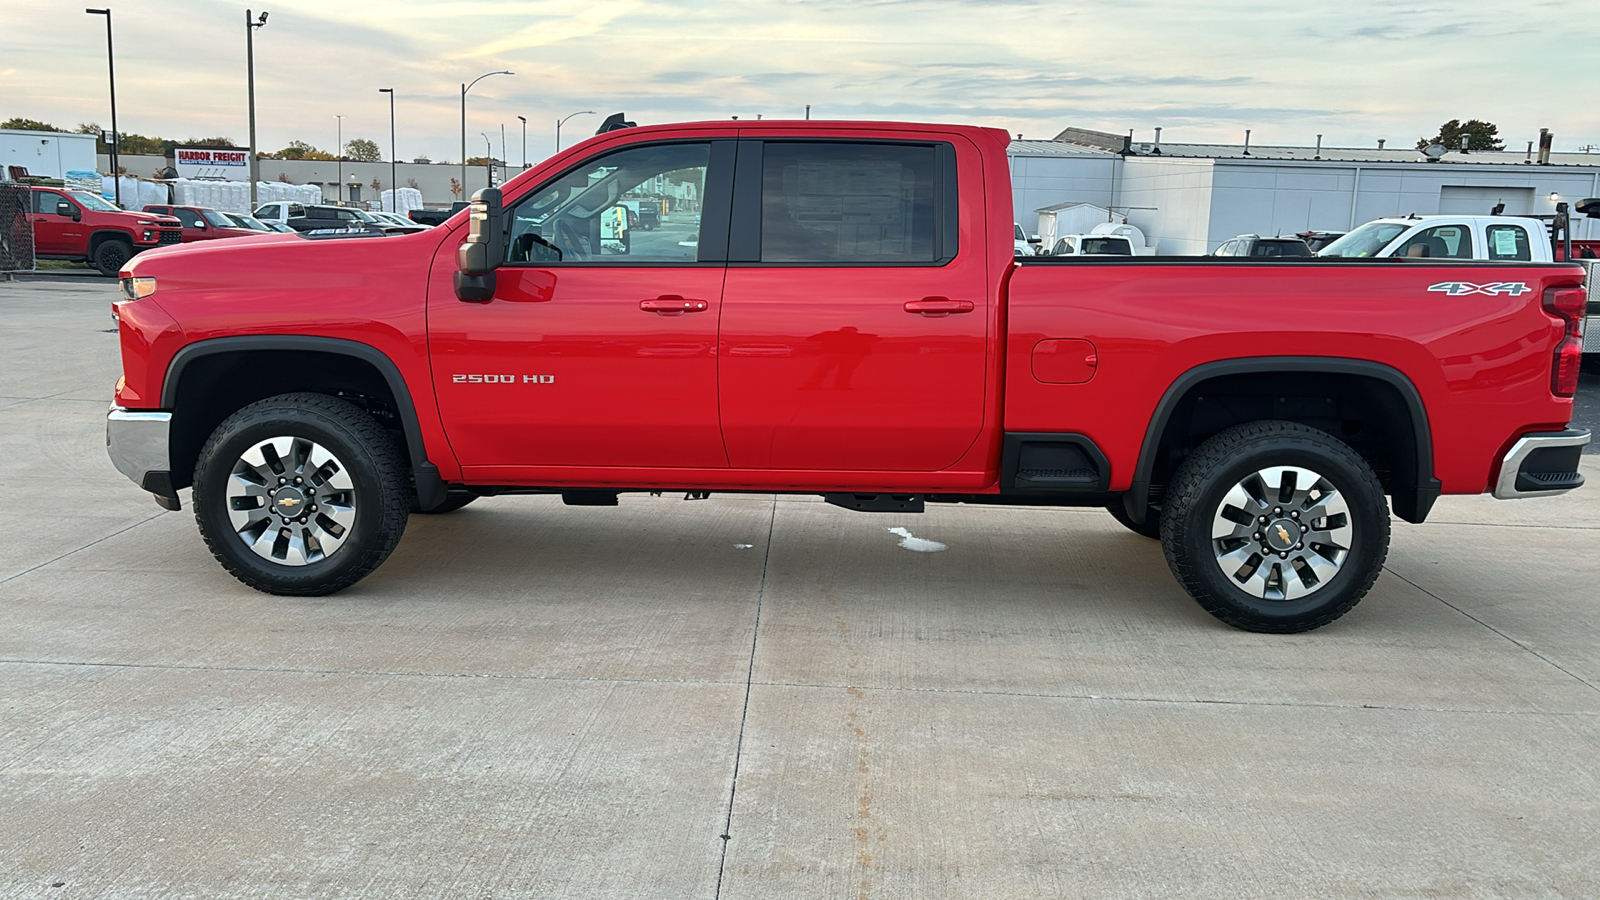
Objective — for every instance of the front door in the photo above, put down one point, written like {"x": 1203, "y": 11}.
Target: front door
{"x": 54, "y": 231}
{"x": 855, "y": 314}
{"x": 599, "y": 347}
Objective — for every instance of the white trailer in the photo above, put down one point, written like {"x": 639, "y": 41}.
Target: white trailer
{"x": 50, "y": 154}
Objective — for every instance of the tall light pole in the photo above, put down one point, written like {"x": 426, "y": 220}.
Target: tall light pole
{"x": 488, "y": 162}
{"x": 560, "y": 122}
{"x": 250, "y": 69}
{"x": 503, "y": 154}
{"x": 394, "y": 156}
{"x": 464, "y": 88}
{"x": 340, "y": 154}
{"x": 524, "y": 121}
{"x": 116, "y": 138}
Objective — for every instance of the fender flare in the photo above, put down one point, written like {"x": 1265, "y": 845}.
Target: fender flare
{"x": 430, "y": 487}
{"x": 1414, "y": 492}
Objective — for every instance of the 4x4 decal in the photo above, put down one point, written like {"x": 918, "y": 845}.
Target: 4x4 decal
{"x": 1460, "y": 288}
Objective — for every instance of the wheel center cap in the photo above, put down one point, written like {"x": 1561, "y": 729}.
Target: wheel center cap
{"x": 289, "y": 502}
{"x": 1282, "y": 534}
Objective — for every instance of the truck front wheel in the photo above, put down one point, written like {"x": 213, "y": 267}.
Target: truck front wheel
{"x": 111, "y": 256}
{"x": 300, "y": 494}
{"x": 1275, "y": 527}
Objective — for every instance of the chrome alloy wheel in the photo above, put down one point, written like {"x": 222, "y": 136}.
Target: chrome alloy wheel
{"x": 291, "y": 501}
{"x": 1282, "y": 532}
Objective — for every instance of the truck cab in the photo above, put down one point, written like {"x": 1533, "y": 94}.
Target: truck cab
{"x": 1091, "y": 245}
{"x": 1505, "y": 238}
{"x": 202, "y": 224}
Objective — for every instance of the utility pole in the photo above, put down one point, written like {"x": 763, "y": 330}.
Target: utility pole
{"x": 560, "y": 122}
{"x": 488, "y": 161}
{"x": 250, "y": 68}
{"x": 464, "y": 88}
{"x": 394, "y": 156}
{"x": 116, "y": 137}
{"x": 524, "y": 121}
{"x": 340, "y": 154}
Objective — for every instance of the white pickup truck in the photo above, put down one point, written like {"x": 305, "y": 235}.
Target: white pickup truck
{"x": 1447, "y": 237}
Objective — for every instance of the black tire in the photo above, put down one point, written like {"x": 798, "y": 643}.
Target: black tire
{"x": 1195, "y": 501}
{"x": 1152, "y": 520}
{"x": 372, "y": 461}
{"x": 112, "y": 255}
{"x": 453, "y": 500}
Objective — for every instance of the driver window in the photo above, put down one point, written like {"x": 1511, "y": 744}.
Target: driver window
{"x": 640, "y": 205}
{"x": 48, "y": 202}
{"x": 1440, "y": 241}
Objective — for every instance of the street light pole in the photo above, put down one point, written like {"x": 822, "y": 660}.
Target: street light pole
{"x": 394, "y": 156}
{"x": 250, "y": 68}
{"x": 503, "y": 154}
{"x": 340, "y": 154}
{"x": 560, "y": 122}
{"x": 524, "y": 121}
{"x": 464, "y": 88}
{"x": 488, "y": 162}
{"x": 116, "y": 137}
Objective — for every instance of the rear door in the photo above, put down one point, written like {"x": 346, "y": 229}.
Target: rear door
{"x": 595, "y": 352}
{"x": 854, "y": 315}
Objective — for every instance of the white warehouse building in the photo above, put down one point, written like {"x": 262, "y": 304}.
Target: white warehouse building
{"x": 1189, "y": 198}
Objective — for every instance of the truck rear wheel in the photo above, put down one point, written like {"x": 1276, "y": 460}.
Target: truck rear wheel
{"x": 1275, "y": 527}
{"x": 300, "y": 494}
{"x": 112, "y": 255}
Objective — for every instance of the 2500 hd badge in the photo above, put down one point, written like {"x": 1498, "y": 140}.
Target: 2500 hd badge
{"x": 502, "y": 379}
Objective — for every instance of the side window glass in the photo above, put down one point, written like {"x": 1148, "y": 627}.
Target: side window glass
{"x": 297, "y": 211}
{"x": 48, "y": 202}
{"x": 188, "y": 217}
{"x": 1439, "y": 242}
{"x": 848, "y": 203}
{"x": 640, "y": 205}
{"x": 1508, "y": 242}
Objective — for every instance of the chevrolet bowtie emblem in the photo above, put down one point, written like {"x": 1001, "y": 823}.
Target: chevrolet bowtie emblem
{"x": 290, "y": 501}
{"x": 1283, "y": 535}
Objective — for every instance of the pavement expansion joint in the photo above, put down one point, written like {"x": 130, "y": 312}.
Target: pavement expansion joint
{"x": 104, "y": 537}
{"x": 1552, "y": 663}
{"x": 744, "y": 710}
{"x": 1178, "y": 701}
{"x": 366, "y": 673}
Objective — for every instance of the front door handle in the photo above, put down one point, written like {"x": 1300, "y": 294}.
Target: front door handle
{"x": 938, "y": 306}
{"x": 673, "y": 305}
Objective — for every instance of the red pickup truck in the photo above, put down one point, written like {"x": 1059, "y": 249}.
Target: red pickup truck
{"x": 834, "y": 308}
{"x": 82, "y": 227}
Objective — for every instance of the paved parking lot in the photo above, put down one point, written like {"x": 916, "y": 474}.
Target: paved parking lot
{"x": 758, "y": 697}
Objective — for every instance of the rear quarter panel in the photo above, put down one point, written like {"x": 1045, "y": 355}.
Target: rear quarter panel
{"x": 1481, "y": 362}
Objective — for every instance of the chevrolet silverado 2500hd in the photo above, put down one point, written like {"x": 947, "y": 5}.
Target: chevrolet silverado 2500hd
{"x": 833, "y": 308}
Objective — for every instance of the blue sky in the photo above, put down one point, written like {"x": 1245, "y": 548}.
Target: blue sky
{"x": 1354, "y": 71}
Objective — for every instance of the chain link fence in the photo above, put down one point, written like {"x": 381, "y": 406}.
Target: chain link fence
{"x": 16, "y": 229}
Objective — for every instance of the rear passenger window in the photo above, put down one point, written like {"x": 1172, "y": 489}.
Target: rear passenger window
{"x": 852, "y": 203}
{"x": 1508, "y": 242}
{"x": 1439, "y": 242}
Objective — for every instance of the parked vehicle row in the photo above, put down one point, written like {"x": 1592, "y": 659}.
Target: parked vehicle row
{"x": 81, "y": 226}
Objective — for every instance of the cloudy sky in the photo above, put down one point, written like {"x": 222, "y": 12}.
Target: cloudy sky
{"x": 1354, "y": 70}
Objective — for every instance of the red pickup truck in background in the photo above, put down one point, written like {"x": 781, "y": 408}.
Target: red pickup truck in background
{"x": 834, "y": 308}
{"x": 82, "y": 227}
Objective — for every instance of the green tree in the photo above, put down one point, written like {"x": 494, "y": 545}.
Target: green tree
{"x": 20, "y": 124}
{"x": 362, "y": 150}
{"x": 1481, "y": 135}
{"x": 302, "y": 150}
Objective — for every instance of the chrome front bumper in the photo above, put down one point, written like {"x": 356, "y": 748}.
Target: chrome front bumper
{"x": 137, "y": 442}
{"x": 1542, "y": 465}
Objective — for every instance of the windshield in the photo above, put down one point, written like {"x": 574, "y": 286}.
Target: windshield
{"x": 216, "y": 218}
{"x": 250, "y": 222}
{"x": 94, "y": 202}
{"x": 362, "y": 215}
{"x": 1020, "y": 235}
{"x": 1365, "y": 241}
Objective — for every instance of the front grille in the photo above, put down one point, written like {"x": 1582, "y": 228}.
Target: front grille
{"x": 171, "y": 237}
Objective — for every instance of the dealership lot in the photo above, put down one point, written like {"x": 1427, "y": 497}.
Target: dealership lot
{"x": 752, "y": 696}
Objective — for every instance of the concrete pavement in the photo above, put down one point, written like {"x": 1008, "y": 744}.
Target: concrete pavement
{"x": 759, "y": 697}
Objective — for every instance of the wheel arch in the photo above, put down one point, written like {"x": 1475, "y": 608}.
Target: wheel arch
{"x": 101, "y": 235}
{"x": 200, "y": 393}
{"x": 1412, "y": 483}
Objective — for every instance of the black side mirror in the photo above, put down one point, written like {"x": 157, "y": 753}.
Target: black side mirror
{"x": 483, "y": 250}
{"x": 1589, "y": 207}
{"x": 67, "y": 209}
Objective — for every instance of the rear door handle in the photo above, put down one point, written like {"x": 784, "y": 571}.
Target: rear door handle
{"x": 938, "y": 306}
{"x": 673, "y": 305}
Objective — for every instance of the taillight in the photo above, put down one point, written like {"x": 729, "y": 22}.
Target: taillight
{"x": 1567, "y": 304}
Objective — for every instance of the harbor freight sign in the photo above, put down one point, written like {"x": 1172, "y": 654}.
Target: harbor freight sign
{"x": 229, "y": 165}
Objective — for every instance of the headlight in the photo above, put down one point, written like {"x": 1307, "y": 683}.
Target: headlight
{"x": 134, "y": 288}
